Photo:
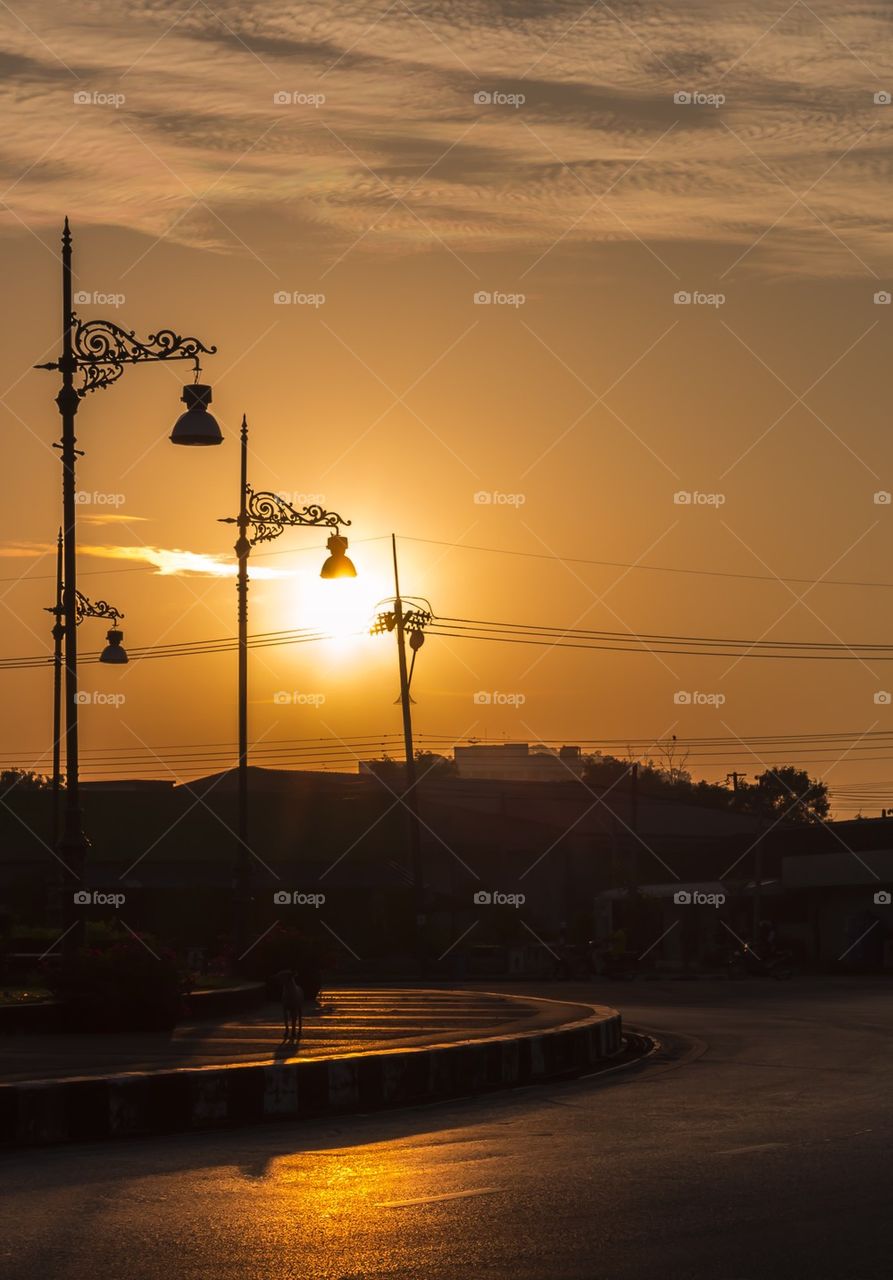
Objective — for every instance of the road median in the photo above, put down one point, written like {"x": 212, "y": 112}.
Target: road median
{"x": 145, "y": 1103}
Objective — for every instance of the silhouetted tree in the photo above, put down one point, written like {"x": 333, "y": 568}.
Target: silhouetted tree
{"x": 26, "y": 779}
{"x": 786, "y": 792}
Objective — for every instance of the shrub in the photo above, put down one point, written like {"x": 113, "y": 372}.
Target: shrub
{"x": 121, "y": 987}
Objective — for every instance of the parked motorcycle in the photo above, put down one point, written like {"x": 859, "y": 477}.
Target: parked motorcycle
{"x": 745, "y": 963}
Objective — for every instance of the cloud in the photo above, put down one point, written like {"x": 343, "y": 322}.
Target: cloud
{"x": 101, "y": 518}
{"x": 26, "y": 550}
{"x": 170, "y": 562}
{"x": 598, "y": 151}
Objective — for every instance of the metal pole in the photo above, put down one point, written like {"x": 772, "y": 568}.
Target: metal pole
{"x": 243, "y": 549}
{"x": 58, "y": 634}
{"x": 634, "y": 824}
{"x": 757, "y": 889}
{"x": 410, "y": 797}
{"x": 74, "y": 843}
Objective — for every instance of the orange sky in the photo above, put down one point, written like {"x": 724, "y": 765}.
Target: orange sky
{"x": 584, "y": 396}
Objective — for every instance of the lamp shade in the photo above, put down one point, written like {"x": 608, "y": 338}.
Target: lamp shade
{"x": 338, "y": 565}
{"x": 114, "y": 652}
{"x": 196, "y": 425}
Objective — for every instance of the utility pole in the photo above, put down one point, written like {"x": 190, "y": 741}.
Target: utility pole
{"x": 734, "y": 777}
{"x": 757, "y": 886}
{"x": 413, "y": 621}
{"x": 634, "y": 824}
{"x": 410, "y": 797}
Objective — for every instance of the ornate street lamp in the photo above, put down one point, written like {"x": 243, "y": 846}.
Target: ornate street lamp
{"x": 262, "y": 517}
{"x": 411, "y": 621}
{"x": 97, "y": 352}
{"x": 84, "y": 609}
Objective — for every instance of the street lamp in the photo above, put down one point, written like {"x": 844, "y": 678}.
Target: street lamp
{"x": 196, "y": 426}
{"x": 84, "y": 609}
{"x": 98, "y": 351}
{"x": 262, "y": 517}
{"x": 412, "y": 621}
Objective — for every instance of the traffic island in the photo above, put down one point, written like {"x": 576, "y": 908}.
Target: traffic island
{"x": 145, "y": 1103}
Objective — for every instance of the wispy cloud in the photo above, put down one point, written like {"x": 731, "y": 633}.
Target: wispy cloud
{"x": 174, "y": 562}
{"x": 197, "y": 143}
{"x": 167, "y": 561}
{"x": 97, "y": 518}
{"x": 25, "y": 550}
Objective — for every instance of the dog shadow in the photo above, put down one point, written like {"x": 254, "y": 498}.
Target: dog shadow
{"x": 288, "y": 1047}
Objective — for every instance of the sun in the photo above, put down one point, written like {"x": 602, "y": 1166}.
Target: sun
{"x": 340, "y": 609}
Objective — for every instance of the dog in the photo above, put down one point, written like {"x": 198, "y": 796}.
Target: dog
{"x": 292, "y": 1005}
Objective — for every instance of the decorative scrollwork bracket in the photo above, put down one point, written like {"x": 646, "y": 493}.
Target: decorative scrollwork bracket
{"x": 266, "y": 515}
{"x": 85, "y": 608}
{"x": 101, "y": 349}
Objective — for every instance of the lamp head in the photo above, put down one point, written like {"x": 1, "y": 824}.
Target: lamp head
{"x": 196, "y": 425}
{"x": 114, "y": 652}
{"x": 338, "y": 565}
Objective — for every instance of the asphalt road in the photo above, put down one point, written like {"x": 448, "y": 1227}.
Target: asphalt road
{"x": 756, "y": 1145}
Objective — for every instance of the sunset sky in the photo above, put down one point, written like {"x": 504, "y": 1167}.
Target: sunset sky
{"x": 382, "y": 165}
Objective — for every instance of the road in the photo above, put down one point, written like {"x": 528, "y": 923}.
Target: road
{"x": 756, "y": 1146}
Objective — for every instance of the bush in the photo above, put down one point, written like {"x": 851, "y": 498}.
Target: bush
{"x": 121, "y": 987}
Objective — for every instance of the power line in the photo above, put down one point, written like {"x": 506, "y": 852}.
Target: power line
{"x": 653, "y": 568}
{"x": 531, "y": 634}
{"x": 656, "y": 637}
{"x": 507, "y": 551}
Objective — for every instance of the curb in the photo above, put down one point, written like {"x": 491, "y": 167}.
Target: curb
{"x": 143, "y": 1104}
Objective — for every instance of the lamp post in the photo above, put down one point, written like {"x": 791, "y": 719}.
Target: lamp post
{"x": 262, "y": 517}
{"x": 412, "y": 621}
{"x": 112, "y": 653}
{"x": 97, "y": 351}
